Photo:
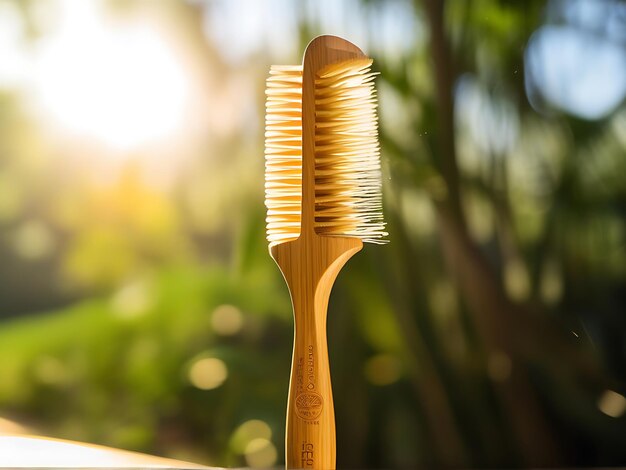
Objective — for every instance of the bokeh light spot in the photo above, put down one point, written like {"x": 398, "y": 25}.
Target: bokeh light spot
{"x": 480, "y": 218}
{"x": 227, "y": 320}
{"x": 132, "y": 300}
{"x": 417, "y": 213}
{"x": 576, "y": 70}
{"x": 612, "y": 404}
{"x": 33, "y": 240}
{"x": 260, "y": 453}
{"x": 516, "y": 279}
{"x": 208, "y": 373}
{"x": 247, "y": 432}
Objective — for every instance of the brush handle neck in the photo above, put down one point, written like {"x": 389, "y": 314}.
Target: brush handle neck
{"x": 310, "y": 266}
{"x": 310, "y": 411}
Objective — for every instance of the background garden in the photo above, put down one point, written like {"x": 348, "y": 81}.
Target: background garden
{"x": 139, "y": 307}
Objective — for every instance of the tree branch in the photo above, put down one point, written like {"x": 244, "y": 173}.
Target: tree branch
{"x": 472, "y": 273}
{"x": 444, "y": 78}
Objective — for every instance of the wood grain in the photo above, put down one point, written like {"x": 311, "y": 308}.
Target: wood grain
{"x": 310, "y": 265}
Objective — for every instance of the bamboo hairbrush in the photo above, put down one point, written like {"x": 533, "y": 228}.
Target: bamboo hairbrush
{"x": 323, "y": 198}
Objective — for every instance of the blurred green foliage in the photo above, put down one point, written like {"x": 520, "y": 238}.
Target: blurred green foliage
{"x": 489, "y": 332}
{"x": 116, "y": 369}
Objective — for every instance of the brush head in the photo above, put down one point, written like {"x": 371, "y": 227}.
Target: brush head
{"x": 347, "y": 175}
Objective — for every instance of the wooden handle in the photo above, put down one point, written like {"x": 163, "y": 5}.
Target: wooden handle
{"x": 310, "y": 413}
{"x": 310, "y": 266}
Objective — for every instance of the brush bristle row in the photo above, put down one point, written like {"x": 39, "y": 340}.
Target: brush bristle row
{"x": 283, "y": 153}
{"x": 348, "y": 195}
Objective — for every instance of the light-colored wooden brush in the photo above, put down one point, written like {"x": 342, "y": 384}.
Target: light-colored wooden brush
{"x": 323, "y": 198}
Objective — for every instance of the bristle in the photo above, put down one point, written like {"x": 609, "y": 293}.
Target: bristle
{"x": 348, "y": 188}
{"x": 283, "y": 153}
{"x": 348, "y": 200}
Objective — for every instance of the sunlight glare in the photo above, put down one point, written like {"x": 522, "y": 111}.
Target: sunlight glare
{"x": 120, "y": 84}
{"x": 12, "y": 65}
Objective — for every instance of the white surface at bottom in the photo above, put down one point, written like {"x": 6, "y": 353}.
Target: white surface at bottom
{"x": 38, "y": 452}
